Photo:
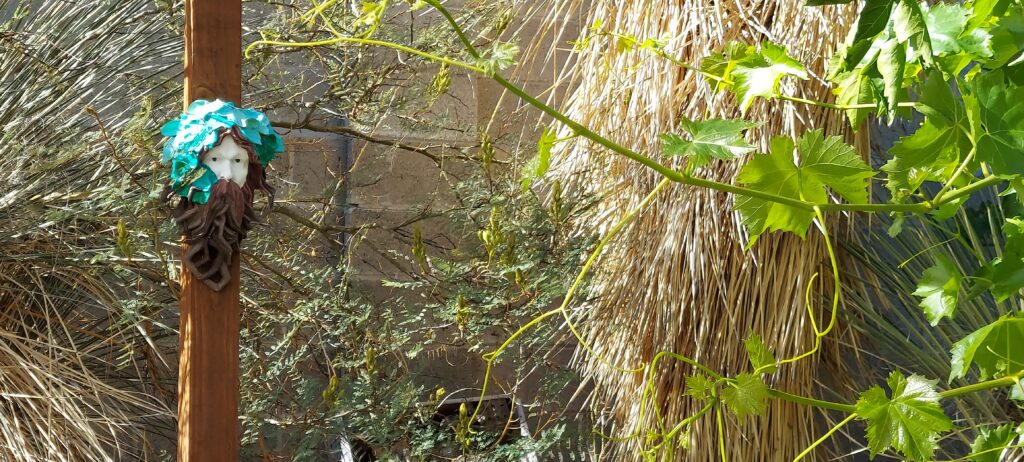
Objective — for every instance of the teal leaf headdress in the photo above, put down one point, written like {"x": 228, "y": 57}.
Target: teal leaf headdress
{"x": 200, "y": 129}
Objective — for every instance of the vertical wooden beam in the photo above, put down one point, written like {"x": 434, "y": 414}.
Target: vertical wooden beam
{"x": 208, "y": 428}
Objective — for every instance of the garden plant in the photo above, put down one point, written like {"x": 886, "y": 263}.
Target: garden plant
{"x": 957, "y": 68}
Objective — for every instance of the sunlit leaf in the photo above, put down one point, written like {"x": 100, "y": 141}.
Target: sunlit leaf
{"x": 1001, "y": 114}
{"x": 939, "y": 289}
{"x": 748, "y": 395}
{"x": 824, "y": 163}
{"x": 909, "y": 421}
{"x": 929, "y": 154}
{"x": 995, "y": 349}
{"x": 760, "y": 355}
{"x": 539, "y": 165}
{"x": 910, "y": 26}
{"x": 759, "y": 73}
{"x": 987, "y": 447}
{"x": 892, "y": 62}
{"x": 699, "y": 387}
{"x": 708, "y": 139}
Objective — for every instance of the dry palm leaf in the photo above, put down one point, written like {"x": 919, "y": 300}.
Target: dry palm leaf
{"x": 678, "y": 280}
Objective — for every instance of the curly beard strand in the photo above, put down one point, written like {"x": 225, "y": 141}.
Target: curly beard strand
{"x": 214, "y": 230}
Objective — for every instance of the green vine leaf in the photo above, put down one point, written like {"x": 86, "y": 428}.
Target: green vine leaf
{"x": 910, "y": 26}
{"x": 759, "y": 353}
{"x": 945, "y": 22}
{"x": 930, "y": 154}
{"x": 759, "y": 74}
{"x": 699, "y": 387}
{"x": 939, "y": 105}
{"x": 857, "y": 88}
{"x": 747, "y": 395}
{"x": 750, "y": 72}
{"x": 892, "y": 64}
{"x": 873, "y": 19}
{"x": 1000, "y": 109}
{"x": 709, "y": 139}
{"x": 1006, "y": 273}
{"x": 987, "y": 446}
{"x": 1007, "y": 35}
{"x": 502, "y": 55}
{"x": 939, "y": 289}
{"x": 538, "y": 166}
{"x": 909, "y": 421}
{"x": 995, "y": 349}
{"x": 824, "y": 162}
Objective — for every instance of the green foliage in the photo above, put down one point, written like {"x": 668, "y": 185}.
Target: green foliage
{"x": 747, "y": 395}
{"x": 1004, "y": 275}
{"x": 939, "y": 289}
{"x": 699, "y": 387}
{"x": 501, "y": 56}
{"x": 990, "y": 442}
{"x": 995, "y": 349}
{"x": 708, "y": 139}
{"x": 909, "y": 420}
{"x": 760, "y": 355}
{"x": 1000, "y": 111}
{"x": 750, "y": 72}
{"x": 823, "y": 163}
{"x": 539, "y": 165}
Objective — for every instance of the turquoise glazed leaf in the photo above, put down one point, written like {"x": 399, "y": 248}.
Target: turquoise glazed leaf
{"x": 199, "y": 129}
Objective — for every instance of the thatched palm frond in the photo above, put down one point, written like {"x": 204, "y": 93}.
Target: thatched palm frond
{"x": 679, "y": 279}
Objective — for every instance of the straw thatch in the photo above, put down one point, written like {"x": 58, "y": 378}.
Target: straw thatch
{"x": 678, "y": 280}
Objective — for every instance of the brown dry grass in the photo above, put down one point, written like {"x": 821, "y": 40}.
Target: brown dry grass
{"x": 678, "y": 279}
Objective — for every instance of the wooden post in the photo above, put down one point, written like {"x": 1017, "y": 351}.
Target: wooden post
{"x": 208, "y": 428}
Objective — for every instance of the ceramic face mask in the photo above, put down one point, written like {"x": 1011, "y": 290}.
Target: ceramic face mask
{"x": 228, "y": 161}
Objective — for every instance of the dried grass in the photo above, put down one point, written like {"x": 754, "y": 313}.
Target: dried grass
{"x": 678, "y": 280}
{"x": 77, "y": 382}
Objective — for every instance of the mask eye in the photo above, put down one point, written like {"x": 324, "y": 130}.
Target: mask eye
{"x": 214, "y": 159}
{"x": 238, "y": 161}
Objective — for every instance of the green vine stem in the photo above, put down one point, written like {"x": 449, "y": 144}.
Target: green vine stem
{"x": 669, "y": 174}
{"x": 824, "y": 437}
{"x": 665, "y": 171}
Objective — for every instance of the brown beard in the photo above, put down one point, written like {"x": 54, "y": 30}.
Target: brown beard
{"x": 213, "y": 230}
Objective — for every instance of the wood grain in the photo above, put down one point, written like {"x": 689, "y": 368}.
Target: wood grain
{"x": 208, "y": 427}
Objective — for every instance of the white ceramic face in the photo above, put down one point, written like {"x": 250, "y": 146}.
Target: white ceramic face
{"x": 228, "y": 161}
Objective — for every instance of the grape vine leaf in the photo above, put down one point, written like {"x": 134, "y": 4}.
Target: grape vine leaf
{"x": 857, "y": 88}
{"x": 759, "y": 74}
{"x": 759, "y": 354}
{"x": 709, "y": 139}
{"x": 988, "y": 445}
{"x": 946, "y": 22}
{"x": 721, "y": 64}
{"x": 910, "y": 421}
{"x": 1001, "y": 113}
{"x": 538, "y": 166}
{"x": 501, "y": 56}
{"x": 699, "y": 387}
{"x": 749, "y": 72}
{"x": 1006, "y": 273}
{"x": 747, "y": 395}
{"x": 1007, "y": 35}
{"x": 910, "y": 26}
{"x": 939, "y": 289}
{"x": 938, "y": 104}
{"x": 873, "y": 19}
{"x": 930, "y": 154}
{"x": 995, "y": 348}
{"x": 824, "y": 162}
{"x": 892, "y": 63}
